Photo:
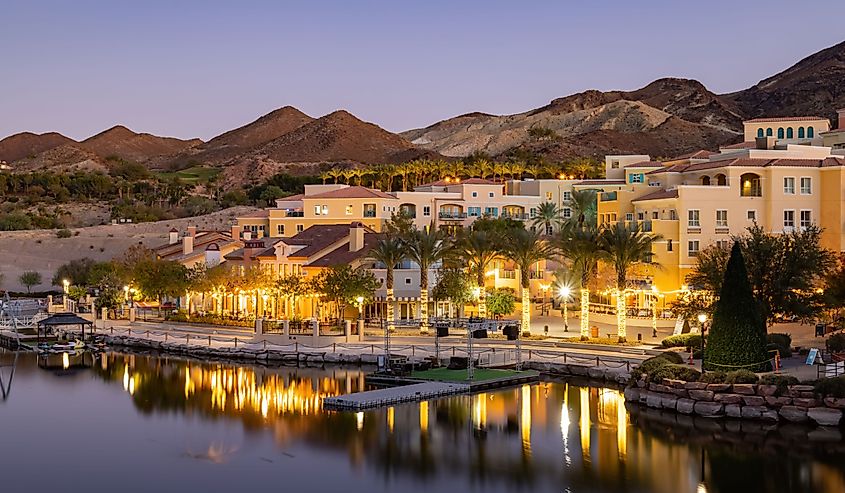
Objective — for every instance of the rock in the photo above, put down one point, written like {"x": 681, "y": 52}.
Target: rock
{"x": 837, "y": 403}
{"x": 680, "y": 392}
{"x": 580, "y": 370}
{"x": 802, "y": 402}
{"x": 668, "y": 401}
{"x": 778, "y": 401}
{"x": 767, "y": 390}
{"x": 733, "y": 410}
{"x": 655, "y": 387}
{"x": 708, "y": 409}
{"x": 654, "y": 400}
{"x": 752, "y": 412}
{"x": 719, "y": 387}
{"x": 728, "y": 398}
{"x": 685, "y": 406}
{"x": 801, "y": 388}
{"x": 753, "y": 400}
{"x": 641, "y": 383}
{"x": 632, "y": 394}
{"x": 745, "y": 388}
{"x": 675, "y": 384}
{"x": 769, "y": 415}
{"x": 825, "y": 416}
{"x": 596, "y": 373}
{"x": 701, "y": 395}
{"x": 644, "y": 397}
{"x": 695, "y": 386}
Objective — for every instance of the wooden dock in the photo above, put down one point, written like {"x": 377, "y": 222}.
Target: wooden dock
{"x": 394, "y": 395}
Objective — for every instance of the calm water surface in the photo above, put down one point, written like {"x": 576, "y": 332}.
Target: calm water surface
{"x": 130, "y": 423}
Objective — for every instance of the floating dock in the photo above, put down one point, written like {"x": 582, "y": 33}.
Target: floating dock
{"x": 394, "y": 395}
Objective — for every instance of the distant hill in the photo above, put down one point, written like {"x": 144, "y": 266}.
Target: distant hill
{"x": 28, "y": 144}
{"x": 121, "y": 142}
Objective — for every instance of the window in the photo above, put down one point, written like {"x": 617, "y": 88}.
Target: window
{"x": 751, "y": 215}
{"x": 768, "y": 132}
{"x": 655, "y": 214}
{"x": 426, "y": 210}
{"x": 348, "y": 210}
{"x": 673, "y": 215}
{"x": 299, "y": 228}
{"x": 567, "y": 212}
{"x": 780, "y": 133}
{"x": 721, "y": 219}
{"x": 635, "y": 178}
{"x": 317, "y": 210}
{"x": 789, "y": 134}
{"x": 693, "y": 216}
{"x": 789, "y": 185}
{"x": 473, "y": 211}
{"x": 369, "y": 210}
{"x": 475, "y": 194}
{"x": 806, "y": 218}
{"x": 800, "y": 132}
{"x": 548, "y": 195}
{"x": 407, "y": 280}
{"x": 491, "y": 211}
{"x": 532, "y": 212}
{"x": 641, "y": 216}
{"x": 788, "y": 219}
{"x": 280, "y": 230}
{"x": 668, "y": 245}
{"x": 614, "y": 165}
{"x": 629, "y": 216}
{"x": 806, "y": 185}
{"x": 751, "y": 185}
{"x": 723, "y": 244}
{"x": 567, "y": 196}
{"x": 491, "y": 194}
{"x": 810, "y": 132}
{"x": 759, "y": 132}
{"x": 693, "y": 247}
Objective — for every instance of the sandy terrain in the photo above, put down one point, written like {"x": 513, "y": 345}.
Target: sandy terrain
{"x": 42, "y": 251}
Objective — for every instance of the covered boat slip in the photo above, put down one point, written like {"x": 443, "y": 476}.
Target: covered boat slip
{"x": 63, "y": 322}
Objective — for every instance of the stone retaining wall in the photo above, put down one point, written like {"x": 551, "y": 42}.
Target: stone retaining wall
{"x": 796, "y": 404}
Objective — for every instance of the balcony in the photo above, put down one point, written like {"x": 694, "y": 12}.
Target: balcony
{"x": 452, "y": 216}
{"x": 516, "y": 216}
{"x": 369, "y": 213}
{"x": 507, "y": 274}
{"x": 294, "y": 214}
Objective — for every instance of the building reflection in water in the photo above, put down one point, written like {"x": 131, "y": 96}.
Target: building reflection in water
{"x": 518, "y": 436}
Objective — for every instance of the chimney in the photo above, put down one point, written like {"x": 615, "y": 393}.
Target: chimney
{"x": 356, "y": 236}
{"x": 173, "y": 237}
{"x": 840, "y": 125}
{"x": 192, "y": 231}
{"x": 187, "y": 244}
{"x": 212, "y": 255}
{"x": 236, "y": 232}
{"x": 251, "y": 249}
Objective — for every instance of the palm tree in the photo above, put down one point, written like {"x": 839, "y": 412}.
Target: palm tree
{"x": 426, "y": 248}
{"x": 478, "y": 249}
{"x": 579, "y": 244}
{"x": 390, "y": 251}
{"x": 548, "y": 217}
{"x": 526, "y": 248}
{"x": 583, "y": 204}
{"x": 624, "y": 245}
{"x": 335, "y": 174}
{"x": 325, "y": 175}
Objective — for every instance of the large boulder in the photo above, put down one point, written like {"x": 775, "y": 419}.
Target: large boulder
{"x": 701, "y": 395}
{"x": 719, "y": 387}
{"x": 745, "y": 388}
{"x": 825, "y": 416}
{"x": 793, "y": 414}
{"x": 728, "y": 398}
{"x": 668, "y": 401}
{"x": 733, "y": 410}
{"x": 685, "y": 406}
{"x": 753, "y": 400}
{"x": 709, "y": 409}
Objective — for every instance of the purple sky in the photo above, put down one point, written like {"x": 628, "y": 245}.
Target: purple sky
{"x": 197, "y": 68}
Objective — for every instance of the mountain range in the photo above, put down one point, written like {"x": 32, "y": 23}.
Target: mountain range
{"x": 667, "y": 117}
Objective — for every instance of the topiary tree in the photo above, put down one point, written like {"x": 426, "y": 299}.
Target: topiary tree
{"x": 737, "y": 336}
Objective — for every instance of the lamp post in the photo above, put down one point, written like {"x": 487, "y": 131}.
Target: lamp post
{"x": 360, "y": 301}
{"x": 564, "y": 292}
{"x": 702, "y": 319}
{"x": 545, "y": 288}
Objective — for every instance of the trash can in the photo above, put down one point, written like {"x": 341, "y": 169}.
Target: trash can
{"x": 594, "y": 331}
{"x": 820, "y": 329}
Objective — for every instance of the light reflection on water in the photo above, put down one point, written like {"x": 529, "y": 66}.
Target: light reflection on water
{"x": 222, "y": 427}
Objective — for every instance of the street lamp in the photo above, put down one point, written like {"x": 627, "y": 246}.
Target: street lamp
{"x": 564, "y": 292}
{"x": 65, "y": 285}
{"x": 360, "y": 301}
{"x": 702, "y": 319}
{"x": 545, "y": 288}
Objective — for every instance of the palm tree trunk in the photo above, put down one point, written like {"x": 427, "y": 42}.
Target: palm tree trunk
{"x": 424, "y": 300}
{"x": 585, "y": 313}
{"x": 482, "y": 295}
{"x": 526, "y": 310}
{"x": 621, "y": 315}
{"x": 390, "y": 299}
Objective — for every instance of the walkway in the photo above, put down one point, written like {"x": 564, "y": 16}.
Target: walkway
{"x": 394, "y": 395}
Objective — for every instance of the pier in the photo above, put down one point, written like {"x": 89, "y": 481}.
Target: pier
{"x": 394, "y": 395}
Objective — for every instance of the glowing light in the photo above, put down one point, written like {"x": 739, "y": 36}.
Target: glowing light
{"x": 490, "y": 273}
{"x": 564, "y": 292}
{"x": 479, "y": 411}
{"x": 621, "y": 317}
{"x": 126, "y": 378}
{"x": 359, "y": 420}
{"x": 702, "y": 317}
{"x": 621, "y": 428}
{"x": 65, "y": 361}
{"x": 584, "y": 423}
{"x": 424, "y": 416}
{"x": 390, "y": 418}
{"x": 525, "y": 417}
{"x": 132, "y": 385}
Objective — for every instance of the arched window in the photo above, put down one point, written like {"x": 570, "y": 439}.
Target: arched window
{"x": 768, "y": 132}
{"x": 780, "y": 133}
{"x": 750, "y": 185}
{"x": 759, "y": 132}
{"x": 705, "y": 180}
{"x": 810, "y": 132}
{"x": 789, "y": 133}
{"x": 800, "y": 132}
{"x": 721, "y": 180}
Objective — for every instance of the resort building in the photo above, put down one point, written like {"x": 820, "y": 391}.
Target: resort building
{"x": 199, "y": 247}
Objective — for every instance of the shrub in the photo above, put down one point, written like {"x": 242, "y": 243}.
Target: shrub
{"x": 741, "y": 376}
{"x": 63, "y": 233}
{"x": 836, "y": 343}
{"x": 717, "y": 376}
{"x": 831, "y": 387}
{"x": 781, "y": 381}
{"x": 672, "y": 357}
{"x": 675, "y": 372}
{"x": 651, "y": 366}
{"x": 781, "y": 342}
{"x": 682, "y": 340}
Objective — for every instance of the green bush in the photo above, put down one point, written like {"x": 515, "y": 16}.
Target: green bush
{"x": 741, "y": 376}
{"x": 63, "y": 233}
{"x": 717, "y": 376}
{"x": 682, "y": 340}
{"x": 836, "y": 343}
{"x": 831, "y": 387}
{"x": 671, "y": 357}
{"x": 781, "y": 342}
{"x": 650, "y": 366}
{"x": 675, "y": 372}
{"x": 781, "y": 381}
{"x": 182, "y": 316}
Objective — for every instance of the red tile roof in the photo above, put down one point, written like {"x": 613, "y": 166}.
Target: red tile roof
{"x": 700, "y": 154}
{"x": 755, "y": 163}
{"x": 319, "y": 237}
{"x": 660, "y": 194}
{"x": 785, "y": 119}
{"x": 341, "y": 255}
{"x": 292, "y": 198}
{"x": 257, "y": 214}
{"x": 645, "y": 164}
{"x": 742, "y": 145}
{"x": 355, "y": 192}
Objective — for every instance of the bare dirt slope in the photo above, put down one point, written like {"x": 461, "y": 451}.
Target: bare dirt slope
{"x": 28, "y": 144}
{"x": 43, "y": 252}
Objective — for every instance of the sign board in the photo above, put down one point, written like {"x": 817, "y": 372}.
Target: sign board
{"x": 811, "y": 356}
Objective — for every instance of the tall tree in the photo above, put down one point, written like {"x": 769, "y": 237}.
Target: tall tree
{"x": 738, "y": 333}
{"x": 579, "y": 244}
{"x": 426, "y": 248}
{"x": 390, "y": 251}
{"x": 478, "y": 249}
{"x": 342, "y": 284}
{"x": 583, "y": 204}
{"x": 623, "y": 246}
{"x": 548, "y": 218}
{"x": 526, "y": 248}
{"x": 30, "y": 279}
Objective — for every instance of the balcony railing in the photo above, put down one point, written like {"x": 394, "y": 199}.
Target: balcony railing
{"x": 295, "y": 214}
{"x": 519, "y": 216}
{"x": 452, "y": 215}
{"x": 507, "y": 274}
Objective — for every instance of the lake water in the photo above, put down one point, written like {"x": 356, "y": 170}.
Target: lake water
{"x": 138, "y": 423}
